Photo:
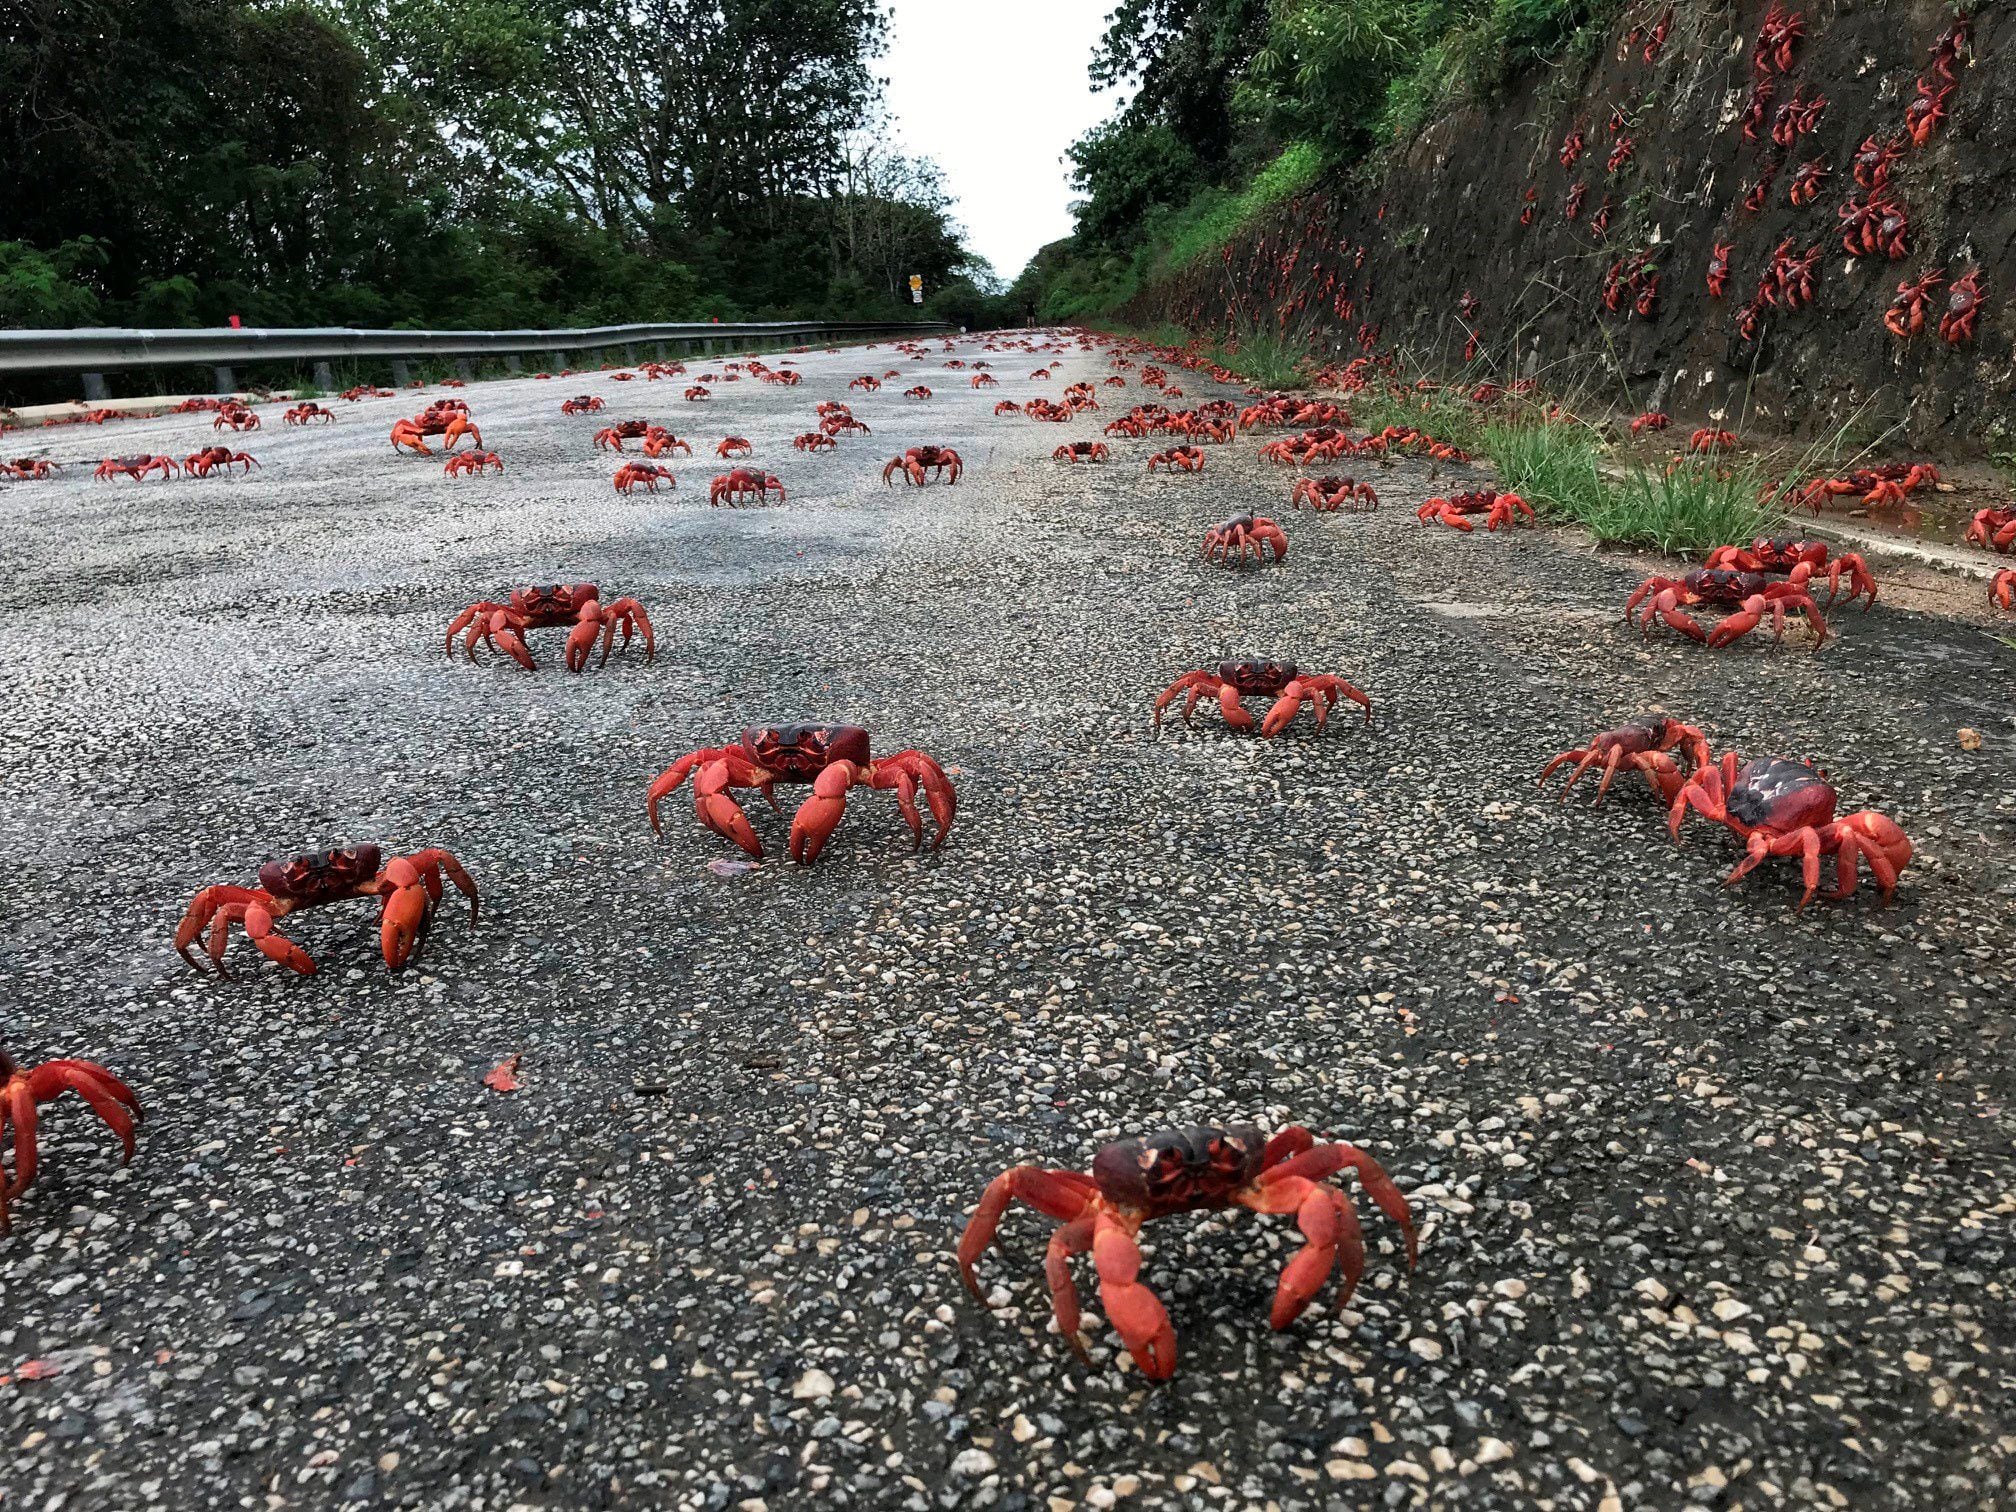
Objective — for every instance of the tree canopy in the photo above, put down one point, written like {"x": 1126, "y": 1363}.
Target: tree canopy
{"x": 458, "y": 162}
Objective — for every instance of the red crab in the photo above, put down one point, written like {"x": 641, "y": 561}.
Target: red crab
{"x": 304, "y": 413}
{"x": 1710, "y": 439}
{"x": 833, "y": 758}
{"x": 1799, "y": 562}
{"x": 612, "y": 437}
{"x": 577, "y": 604}
{"x": 206, "y": 460}
{"x": 1874, "y": 160}
{"x": 1906, "y": 316}
{"x": 27, "y": 468}
{"x": 1947, "y": 50}
{"x": 1133, "y": 1181}
{"x": 1571, "y": 207}
{"x": 742, "y": 485}
{"x": 658, "y": 441}
{"x": 1889, "y": 484}
{"x": 1718, "y": 269}
{"x": 1806, "y": 182}
{"x": 813, "y": 441}
{"x": 919, "y": 392}
{"x": 450, "y": 425}
{"x": 1644, "y": 745}
{"x": 23, "y": 1089}
{"x": 1231, "y": 541}
{"x": 630, "y": 474}
{"x": 1007, "y": 407}
{"x": 1994, "y": 529}
{"x": 1923, "y": 115}
{"x": 1572, "y": 147}
{"x": 1777, "y": 37}
{"x": 1963, "y": 309}
{"x": 938, "y": 461}
{"x": 735, "y": 446}
{"x": 867, "y": 383}
{"x": 1652, "y": 420}
{"x": 1259, "y": 678}
{"x": 235, "y": 417}
{"x": 1329, "y": 494}
{"x": 136, "y": 468}
{"x": 581, "y": 404}
{"x": 1797, "y": 117}
{"x": 472, "y": 462}
{"x": 2002, "y": 591}
{"x": 1506, "y": 509}
{"x": 1779, "y": 807}
{"x": 1788, "y": 282}
{"x": 697, "y": 394}
{"x": 1620, "y": 154}
{"x": 1749, "y": 596}
{"x": 1080, "y": 451}
{"x": 409, "y": 888}
{"x": 843, "y": 424}
{"x": 1187, "y": 458}
{"x": 1875, "y": 226}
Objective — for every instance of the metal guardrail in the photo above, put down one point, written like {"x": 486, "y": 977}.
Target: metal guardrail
{"x": 97, "y": 350}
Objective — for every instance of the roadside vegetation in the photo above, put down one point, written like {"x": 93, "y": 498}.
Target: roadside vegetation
{"x": 449, "y": 163}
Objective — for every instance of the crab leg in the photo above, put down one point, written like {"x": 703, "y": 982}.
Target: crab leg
{"x": 1197, "y": 683}
{"x": 502, "y": 631}
{"x": 1329, "y": 1226}
{"x": 1228, "y": 699}
{"x": 819, "y": 815}
{"x": 17, "y": 1107}
{"x": 1325, "y": 1160}
{"x": 106, "y": 1095}
{"x": 277, "y": 947}
{"x": 1064, "y": 1195}
{"x": 1135, "y": 1312}
{"x": 1074, "y": 1238}
{"x": 911, "y": 770}
{"x": 202, "y": 908}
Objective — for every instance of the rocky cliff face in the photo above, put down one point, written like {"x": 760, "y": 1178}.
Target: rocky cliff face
{"x": 1584, "y": 214}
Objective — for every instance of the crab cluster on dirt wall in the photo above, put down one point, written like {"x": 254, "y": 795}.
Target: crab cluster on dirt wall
{"x": 1713, "y": 214}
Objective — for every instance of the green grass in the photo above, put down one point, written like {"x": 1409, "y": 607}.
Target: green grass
{"x": 1265, "y": 359}
{"x": 1442, "y": 413}
{"x": 1213, "y": 218}
{"x": 1557, "y": 468}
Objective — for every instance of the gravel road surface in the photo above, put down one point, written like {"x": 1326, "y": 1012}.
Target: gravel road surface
{"x": 1717, "y": 1197}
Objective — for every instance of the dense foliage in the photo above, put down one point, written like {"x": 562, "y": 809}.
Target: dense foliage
{"x": 1241, "y": 104}
{"x": 459, "y": 162}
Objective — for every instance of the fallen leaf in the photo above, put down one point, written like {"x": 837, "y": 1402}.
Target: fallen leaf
{"x": 725, "y": 868}
{"x": 1970, "y": 739}
{"x": 503, "y": 1077}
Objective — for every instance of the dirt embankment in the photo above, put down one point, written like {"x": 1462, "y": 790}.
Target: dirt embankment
{"x": 1665, "y": 175}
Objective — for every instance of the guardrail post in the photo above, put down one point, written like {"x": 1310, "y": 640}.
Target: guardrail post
{"x": 223, "y": 380}
{"x": 401, "y": 373}
{"x": 512, "y": 364}
{"x": 325, "y": 377}
{"x": 629, "y": 356}
{"x": 464, "y": 368}
{"x": 95, "y": 391}
{"x": 659, "y": 348}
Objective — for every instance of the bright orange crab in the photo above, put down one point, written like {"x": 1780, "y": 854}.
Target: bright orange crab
{"x": 1204, "y": 1168}
{"x": 23, "y": 1089}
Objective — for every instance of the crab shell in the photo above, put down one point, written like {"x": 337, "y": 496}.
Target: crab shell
{"x": 1180, "y": 1170}
{"x": 319, "y": 875}
{"x": 799, "y": 753}
{"x": 1256, "y": 675}
{"x": 1777, "y": 793}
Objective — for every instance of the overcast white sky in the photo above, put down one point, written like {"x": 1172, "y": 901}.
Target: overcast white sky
{"x": 995, "y": 93}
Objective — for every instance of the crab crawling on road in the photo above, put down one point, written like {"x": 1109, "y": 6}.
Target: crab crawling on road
{"x": 1188, "y": 458}
{"x": 136, "y": 468}
{"x": 307, "y": 411}
{"x": 1799, "y": 562}
{"x": 1644, "y": 745}
{"x": 631, "y": 474}
{"x": 1133, "y": 1181}
{"x": 1080, "y": 451}
{"x": 23, "y": 1089}
{"x": 472, "y": 462}
{"x": 408, "y": 890}
{"x": 612, "y": 437}
{"x": 1259, "y": 678}
{"x": 577, "y": 604}
{"x": 938, "y": 461}
{"x": 735, "y": 446}
{"x": 813, "y": 441}
{"x": 1506, "y": 509}
{"x": 744, "y": 485}
{"x": 581, "y": 404}
{"x": 201, "y": 463}
{"x": 1231, "y": 541}
{"x": 1779, "y": 807}
{"x": 1749, "y": 595}
{"x": 25, "y": 469}
{"x": 1327, "y": 495}
{"x": 833, "y": 758}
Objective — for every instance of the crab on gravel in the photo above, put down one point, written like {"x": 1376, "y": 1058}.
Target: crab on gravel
{"x": 1644, "y": 745}
{"x": 578, "y": 605}
{"x": 1780, "y": 807}
{"x": 1261, "y": 678}
{"x": 23, "y": 1090}
{"x": 1200, "y": 1169}
{"x": 1748, "y": 595}
{"x": 833, "y": 758}
{"x": 1232, "y": 541}
{"x": 408, "y": 889}
{"x": 1506, "y": 509}
{"x": 937, "y": 461}
{"x": 1329, "y": 494}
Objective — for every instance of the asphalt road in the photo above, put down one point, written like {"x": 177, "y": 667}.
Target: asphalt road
{"x": 1716, "y": 1198}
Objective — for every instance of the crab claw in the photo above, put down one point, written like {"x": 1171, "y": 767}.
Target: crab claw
{"x": 819, "y": 815}
{"x": 1135, "y": 1312}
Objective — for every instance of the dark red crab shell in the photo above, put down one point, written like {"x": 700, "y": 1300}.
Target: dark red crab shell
{"x": 1777, "y": 793}
{"x": 800, "y": 752}
{"x": 1255, "y": 674}
{"x": 1723, "y": 585}
{"x": 1180, "y": 1170}
{"x": 559, "y": 600}
{"x": 320, "y": 875}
